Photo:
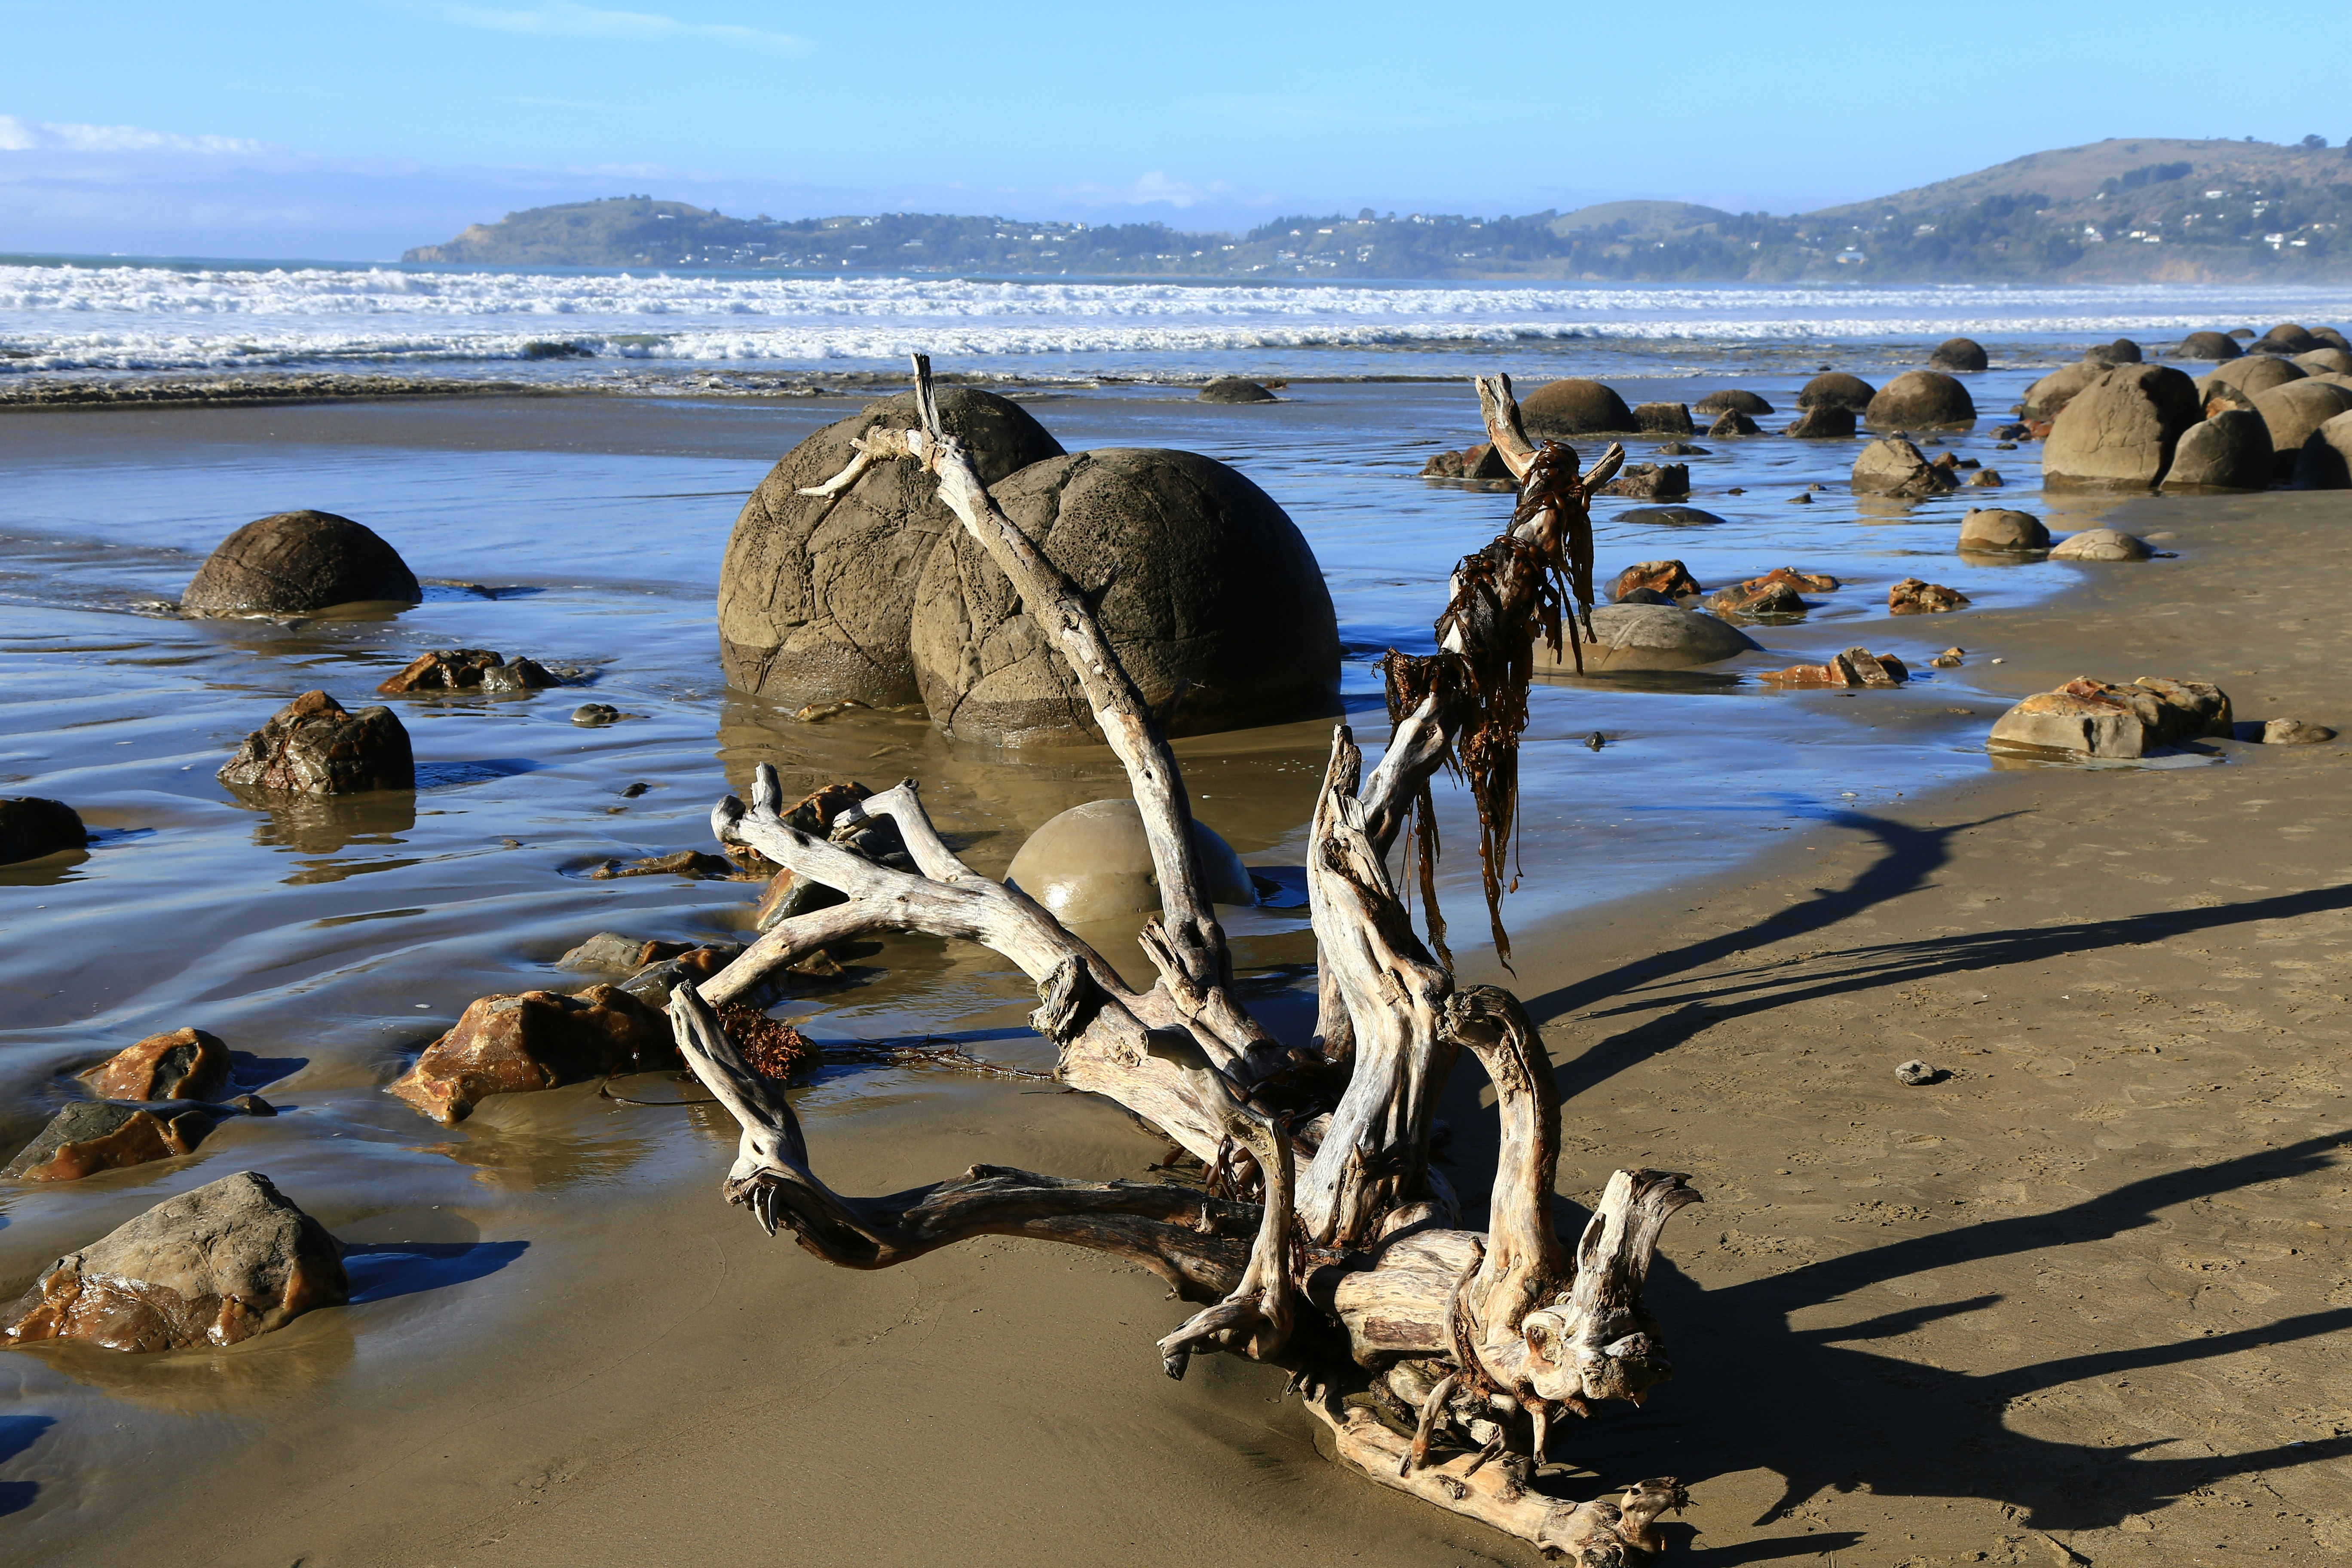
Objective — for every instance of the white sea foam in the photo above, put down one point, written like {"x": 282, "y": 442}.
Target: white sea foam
{"x": 71, "y": 319}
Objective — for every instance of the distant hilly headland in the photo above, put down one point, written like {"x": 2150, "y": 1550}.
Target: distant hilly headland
{"x": 2157, "y": 211}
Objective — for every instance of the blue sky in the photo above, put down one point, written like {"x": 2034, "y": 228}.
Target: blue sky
{"x": 356, "y": 129}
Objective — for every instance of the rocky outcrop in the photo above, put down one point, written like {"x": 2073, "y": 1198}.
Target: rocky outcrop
{"x": 1822, "y": 421}
{"x": 1960, "y": 355}
{"x": 1921, "y": 400}
{"x": 1662, "y": 418}
{"x": 90, "y": 1136}
{"x": 295, "y": 563}
{"x": 2046, "y": 396}
{"x": 1856, "y": 667}
{"x": 180, "y": 1064}
{"x": 539, "y": 1039}
{"x": 1093, "y": 862}
{"x": 814, "y": 601}
{"x": 2094, "y": 719}
{"x": 31, "y": 828}
{"x": 1209, "y": 591}
{"x": 2120, "y": 430}
{"x": 1733, "y": 400}
{"x": 1650, "y": 481}
{"x": 1917, "y": 596}
{"x": 212, "y": 1266}
{"x": 1836, "y": 389}
{"x": 2002, "y": 532}
{"x": 1235, "y": 389}
{"x": 311, "y": 746}
{"x": 2324, "y": 463}
{"x": 2102, "y": 545}
{"x": 1574, "y": 407}
{"x": 2292, "y": 413}
{"x": 2207, "y": 346}
{"x": 1892, "y": 465}
{"x": 467, "y": 669}
{"x": 2228, "y": 451}
{"x": 1731, "y": 423}
{"x": 1668, "y": 579}
{"x": 1632, "y": 638}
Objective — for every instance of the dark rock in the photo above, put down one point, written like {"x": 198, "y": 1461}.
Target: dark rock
{"x": 2287, "y": 338}
{"x": 813, "y": 594}
{"x": 2324, "y": 463}
{"x": 1667, "y": 517}
{"x": 2293, "y": 413}
{"x": 1986, "y": 478}
{"x": 1642, "y": 596}
{"x": 2332, "y": 338}
{"x": 467, "y": 669}
{"x": 2011, "y": 433}
{"x": 1093, "y": 862}
{"x": 1668, "y": 579}
{"x": 296, "y": 562}
{"x": 2295, "y": 733}
{"x": 1650, "y": 481}
{"x": 1894, "y": 467}
{"x": 1836, "y": 389}
{"x": 90, "y": 1136}
{"x": 31, "y": 828}
{"x": 1731, "y": 423}
{"x": 2242, "y": 334}
{"x": 1216, "y": 602}
{"x": 2123, "y": 351}
{"x": 1483, "y": 462}
{"x": 1445, "y": 466}
{"x": 2001, "y": 531}
{"x": 2122, "y": 428}
{"x": 539, "y": 1039}
{"x": 179, "y": 1064}
{"x": 2228, "y": 451}
{"x": 1822, "y": 421}
{"x": 311, "y": 746}
{"x": 1632, "y": 638}
{"x": 788, "y": 893}
{"x": 1733, "y": 400}
{"x": 1664, "y": 418}
{"x": 1235, "y": 389}
{"x": 1921, "y": 400}
{"x": 1960, "y": 354}
{"x": 594, "y": 714}
{"x": 1683, "y": 449}
{"x": 212, "y": 1266}
{"x": 2209, "y": 345}
{"x": 1916, "y": 597}
{"x": 1574, "y": 407}
{"x": 694, "y": 863}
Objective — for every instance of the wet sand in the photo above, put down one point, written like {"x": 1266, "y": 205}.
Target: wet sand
{"x": 2084, "y": 1297}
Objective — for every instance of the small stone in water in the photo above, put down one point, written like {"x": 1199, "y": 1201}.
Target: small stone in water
{"x": 594, "y": 713}
{"x": 1596, "y": 740}
{"x": 636, "y": 790}
{"x": 1916, "y": 1073}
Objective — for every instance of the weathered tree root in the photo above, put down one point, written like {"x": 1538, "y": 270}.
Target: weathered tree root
{"x": 1351, "y": 1254}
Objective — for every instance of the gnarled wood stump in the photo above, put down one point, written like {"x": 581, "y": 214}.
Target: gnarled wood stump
{"x": 1340, "y": 1256}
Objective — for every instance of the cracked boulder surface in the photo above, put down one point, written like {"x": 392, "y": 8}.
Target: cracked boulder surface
{"x": 1203, "y": 584}
{"x": 815, "y": 593}
{"x": 298, "y": 562}
{"x": 313, "y": 746}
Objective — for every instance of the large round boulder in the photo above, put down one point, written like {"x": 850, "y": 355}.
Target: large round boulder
{"x": 1963, "y": 356}
{"x": 2320, "y": 362}
{"x": 2286, "y": 338}
{"x": 2102, "y": 545}
{"x": 1635, "y": 637}
{"x": 2325, "y": 461}
{"x": 1234, "y": 389}
{"x": 297, "y": 563}
{"x": 2123, "y": 351}
{"x": 2122, "y": 428}
{"x": 1821, "y": 422}
{"x": 2257, "y": 373}
{"x": 2046, "y": 396}
{"x": 2209, "y": 345}
{"x": 1204, "y": 586}
{"x": 813, "y": 594}
{"x": 1094, "y": 862}
{"x": 31, "y": 828}
{"x": 1921, "y": 400}
{"x": 2293, "y": 412}
{"x": 2002, "y": 532}
{"x": 1836, "y": 389}
{"x": 2230, "y": 451}
{"x": 1733, "y": 400}
{"x": 1574, "y": 407}
{"x": 2332, "y": 338}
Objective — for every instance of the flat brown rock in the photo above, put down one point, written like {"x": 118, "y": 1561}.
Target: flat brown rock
{"x": 467, "y": 669}
{"x": 539, "y": 1039}
{"x": 1917, "y": 596}
{"x": 180, "y": 1064}
{"x": 90, "y": 1136}
{"x": 1854, "y": 667}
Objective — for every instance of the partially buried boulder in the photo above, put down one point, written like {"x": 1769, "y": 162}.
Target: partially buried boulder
{"x": 1667, "y": 517}
{"x": 298, "y": 562}
{"x": 31, "y": 828}
{"x": 180, "y": 1064}
{"x": 1730, "y": 423}
{"x": 1235, "y": 389}
{"x": 311, "y": 746}
{"x": 2102, "y": 545}
{"x": 2230, "y": 451}
{"x": 2286, "y": 338}
{"x": 1733, "y": 400}
{"x": 90, "y": 1136}
{"x": 1822, "y": 421}
{"x": 1856, "y": 667}
{"x": 2121, "y": 430}
{"x": 1662, "y": 418}
{"x": 2324, "y": 463}
{"x": 1668, "y": 579}
{"x": 2208, "y": 346}
{"x": 2326, "y": 361}
{"x": 1637, "y": 637}
{"x": 212, "y": 1266}
{"x": 1204, "y": 585}
{"x": 1650, "y": 481}
{"x": 1960, "y": 354}
{"x": 1836, "y": 389}
{"x": 467, "y": 669}
{"x": 1921, "y": 400}
{"x": 2293, "y": 412}
{"x": 1892, "y": 465}
{"x": 814, "y": 599}
{"x": 1574, "y": 407}
{"x": 1779, "y": 592}
{"x": 2123, "y": 351}
{"x": 2002, "y": 532}
{"x": 2046, "y": 396}
{"x": 2096, "y": 720}
{"x": 1094, "y": 862}
{"x": 539, "y": 1039}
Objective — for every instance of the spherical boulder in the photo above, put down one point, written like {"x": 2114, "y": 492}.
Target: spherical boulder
{"x": 1921, "y": 400}
{"x": 31, "y": 828}
{"x": 1822, "y": 421}
{"x": 2326, "y": 361}
{"x": 2123, "y": 351}
{"x": 2257, "y": 373}
{"x": 2229, "y": 452}
{"x": 1235, "y": 389}
{"x": 2002, "y": 532}
{"x": 2324, "y": 463}
{"x": 2293, "y": 412}
{"x": 813, "y": 593}
{"x": 1836, "y": 389}
{"x": 1636, "y": 638}
{"x": 2286, "y": 338}
{"x": 1961, "y": 354}
{"x": 1732, "y": 400}
{"x": 2102, "y": 545}
{"x": 2046, "y": 396}
{"x": 2208, "y": 345}
{"x": 2332, "y": 338}
{"x": 1203, "y": 585}
{"x": 2122, "y": 428}
{"x": 1574, "y": 407}
{"x": 297, "y": 563}
{"x": 1093, "y": 862}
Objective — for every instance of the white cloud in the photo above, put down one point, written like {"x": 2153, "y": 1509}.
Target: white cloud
{"x": 566, "y": 19}
{"x": 26, "y": 136}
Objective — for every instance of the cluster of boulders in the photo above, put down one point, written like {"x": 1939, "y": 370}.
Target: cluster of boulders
{"x": 1856, "y": 667}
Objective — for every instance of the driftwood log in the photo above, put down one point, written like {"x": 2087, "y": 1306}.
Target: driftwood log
{"x": 1440, "y": 1359}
